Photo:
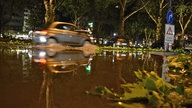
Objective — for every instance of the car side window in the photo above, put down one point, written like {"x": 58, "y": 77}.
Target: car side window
{"x": 62, "y": 26}
{"x": 66, "y": 27}
{"x": 72, "y": 28}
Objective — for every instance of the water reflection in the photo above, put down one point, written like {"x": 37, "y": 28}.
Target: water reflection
{"x": 57, "y": 62}
{"x": 16, "y": 59}
{"x": 165, "y": 69}
{"x": 63, "y": 61}
{"x": 125, "y": 63}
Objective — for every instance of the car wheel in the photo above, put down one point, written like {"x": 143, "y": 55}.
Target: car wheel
{"x": 51, "y": 53}
{"x": 51, "y": 41}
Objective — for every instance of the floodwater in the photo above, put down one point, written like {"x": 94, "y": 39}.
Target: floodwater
{"x": 43, "y": 78}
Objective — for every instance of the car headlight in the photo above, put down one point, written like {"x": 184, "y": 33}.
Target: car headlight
{"x": 118, "y": 43}
{"x": 124, "y": 43}
{"x": 42, "y": 39}
{"x": 42, "y": 54}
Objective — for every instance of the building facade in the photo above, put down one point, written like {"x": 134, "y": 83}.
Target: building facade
{"x": 18, "y": 22}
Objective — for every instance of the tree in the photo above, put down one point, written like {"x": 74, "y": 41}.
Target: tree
{"x": 123, "y": 8}
{"x": 103, "y": 14}
{"x": 135, "y": 31}
{"x": 155, "y": 11}
{"x": 36, "y": 19}
{"x": 148, "y": 35}
{"x": 42, "y": 13}
{"x": 184, "y": 13}
{"x": 76, "y": 9}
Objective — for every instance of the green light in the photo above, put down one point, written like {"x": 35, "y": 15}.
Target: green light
{"x": 90, "y": 24}
{"x": 88, "y": 69}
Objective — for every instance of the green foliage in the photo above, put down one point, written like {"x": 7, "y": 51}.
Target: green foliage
{"x": 76, "y": 8}
{"x": 180, "y": 63}
{"x": 179, "y": 50}
{"x": 158, "y": 89}
{"x": 151, "y": 90}
{"x": 134, "y": 93}
{"x": 127, "y": 49}
{"x": 190, "y": 53}
{"x": 103, "y": 91}
{"x": 183, "y": 8}
{"x": 180, "y": 69}
{"x": 15, "y": 42}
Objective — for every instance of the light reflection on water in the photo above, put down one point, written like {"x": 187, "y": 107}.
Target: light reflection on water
{"x": 27, "y": 83}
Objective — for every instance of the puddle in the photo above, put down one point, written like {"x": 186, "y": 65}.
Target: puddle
{"x": 59, "y": 78}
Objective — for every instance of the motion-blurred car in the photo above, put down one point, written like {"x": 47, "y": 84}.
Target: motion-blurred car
{"x": 62, "y": 32}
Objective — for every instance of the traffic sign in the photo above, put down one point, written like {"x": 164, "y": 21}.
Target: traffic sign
{"x": 169, "y": 17}
{"x": 169, "y": 33}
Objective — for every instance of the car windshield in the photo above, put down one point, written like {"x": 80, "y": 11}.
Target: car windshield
{"x": 121, "y": 40}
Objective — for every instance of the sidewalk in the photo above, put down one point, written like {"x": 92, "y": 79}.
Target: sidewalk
{"x": 165, "y": 53}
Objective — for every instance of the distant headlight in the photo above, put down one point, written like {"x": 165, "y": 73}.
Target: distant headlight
{"x": 42, "y": 39}
{"x": 118, "y": 43}
{"x": 124, "y": 43}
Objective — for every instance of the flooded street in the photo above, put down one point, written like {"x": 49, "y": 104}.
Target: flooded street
{"x": 43, "y": 78}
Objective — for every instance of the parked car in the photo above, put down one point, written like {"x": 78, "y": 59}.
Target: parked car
{"x": 118, "y": 42}
{"x": 62, "y": 32}
{"x": 188, "y": 43}
{"x": 121, "y": 42}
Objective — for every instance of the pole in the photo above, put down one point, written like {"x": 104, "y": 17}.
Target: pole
{"x": 170, "y": 2}
{"x": 168, "y": 46}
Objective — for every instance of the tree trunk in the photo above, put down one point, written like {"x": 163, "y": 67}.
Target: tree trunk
{"x": 159, "y": 28}
{"x": 182, "y": 38}
{"x": 50, "y": 10}
{"x": 183, "y": 27}
{"x": 121, "y": 25}
{"x": 122, "y": 17}
{"x": 159, "y": 21}
{"x": 1, "y": 14}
